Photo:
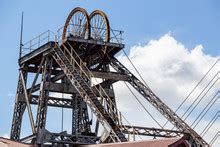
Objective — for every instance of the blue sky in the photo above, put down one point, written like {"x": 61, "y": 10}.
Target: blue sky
{"x": 190, "y": 22}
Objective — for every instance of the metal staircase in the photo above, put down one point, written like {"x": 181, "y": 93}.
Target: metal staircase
{"x": 77, "y": 77}
{"x": 148, "y": 94}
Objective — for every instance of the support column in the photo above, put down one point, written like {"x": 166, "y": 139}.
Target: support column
{"x": 111, "y": 106}
{"x": 43, "y": 97}
{"x": 19, "y": 109}
{"x": 80, "y": 118}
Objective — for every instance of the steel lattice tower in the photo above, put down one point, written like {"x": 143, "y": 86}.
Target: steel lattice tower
{"x": 66, "y": 64}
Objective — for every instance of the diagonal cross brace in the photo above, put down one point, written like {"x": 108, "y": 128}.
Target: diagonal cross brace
{"x": 148, "y": 94}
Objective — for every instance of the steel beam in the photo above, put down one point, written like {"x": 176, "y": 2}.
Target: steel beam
{"x": 43, "y": 97}
{"x": 69, "y": 89}
{"x": 149, "y": 95}
{"x": 54, "y": 102}
{"x": 155, "y": 132}
{"x": 95, "y": 74}
{"x": 27, "y": 103}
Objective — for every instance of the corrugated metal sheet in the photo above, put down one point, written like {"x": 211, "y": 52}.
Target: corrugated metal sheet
{"x": 171, "y": 142}
{"x": 9, "y": 143}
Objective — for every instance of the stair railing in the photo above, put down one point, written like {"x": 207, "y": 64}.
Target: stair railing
{"x": 82, "y": 67}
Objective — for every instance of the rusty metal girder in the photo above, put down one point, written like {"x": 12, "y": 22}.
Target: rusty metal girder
{"x": 148, "y": 94}
{"x": 155, "y": 132}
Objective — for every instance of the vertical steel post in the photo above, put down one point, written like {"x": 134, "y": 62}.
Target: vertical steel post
{"x": 21, "y": 36}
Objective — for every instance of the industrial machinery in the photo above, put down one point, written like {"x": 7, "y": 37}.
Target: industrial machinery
{"x": 65, "y": 66}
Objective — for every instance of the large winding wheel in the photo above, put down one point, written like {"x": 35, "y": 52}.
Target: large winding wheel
{"x": 77, "y": 24}
{"x": 95, "y": 27}
{"x": 99, "y": 26}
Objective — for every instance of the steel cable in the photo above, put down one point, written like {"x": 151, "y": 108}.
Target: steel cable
{"x": 189, "y": 93}
{"x": 143, "y": 105}
{"x": 210, "y": 124}
{"x": 214, "y": 138}
{"x": 200, "y": 81}
{"x": 199, "y": 100}
{"x": 133, "y": 92}
{"x": 62, "y": 115}
{"x": 210, "y": 102}
{"x": 135, "y": 68}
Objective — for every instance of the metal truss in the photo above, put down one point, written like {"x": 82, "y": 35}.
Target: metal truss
{"x": 155, "y": 132}
{"x": 54, "y": 102}
{"x": 148, "y": 94}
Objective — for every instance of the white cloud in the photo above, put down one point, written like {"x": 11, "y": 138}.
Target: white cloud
{"x": 172, "y": 71}
{"x": 169, "y": 68}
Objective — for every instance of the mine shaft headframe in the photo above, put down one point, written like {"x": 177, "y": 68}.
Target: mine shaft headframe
{"x": 94, "y": 26}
